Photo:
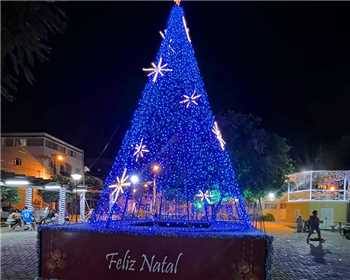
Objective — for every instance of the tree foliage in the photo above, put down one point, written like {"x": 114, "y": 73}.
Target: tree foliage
{"x": 25, "y": 30}
{"x": 49, "y": 196}
{"x": 9, "y": 195}
{"x": 261, "y": 159}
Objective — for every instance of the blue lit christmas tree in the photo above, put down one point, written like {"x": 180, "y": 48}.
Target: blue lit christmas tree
{"x": 172, "y": 165}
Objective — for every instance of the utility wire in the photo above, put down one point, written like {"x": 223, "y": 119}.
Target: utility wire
{"x": 104, "y": 148}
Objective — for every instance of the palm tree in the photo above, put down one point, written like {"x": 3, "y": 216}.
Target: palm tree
{"x": 25, "y": 30}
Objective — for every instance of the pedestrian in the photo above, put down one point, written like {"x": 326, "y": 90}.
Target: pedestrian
{"x": 314, "y": 224}
{"x": 299, "y": 222}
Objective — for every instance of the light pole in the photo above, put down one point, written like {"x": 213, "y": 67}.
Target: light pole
{"x": 155, "y": 171}
{"x": 76, "y": 178}
{"x": 134, "y": 179}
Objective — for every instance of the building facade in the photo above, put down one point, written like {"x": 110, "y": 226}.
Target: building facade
{"x": 39, "y": 155}
{"x": 327, "y": 191}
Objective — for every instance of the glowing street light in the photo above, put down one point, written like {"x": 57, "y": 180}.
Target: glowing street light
{"x": 76, "y": 176}
{"x": 134, "y": 179}
{"x": 60, "y": 158}
{"x": 271, "y": 195}
{"x": 155, "y": 168}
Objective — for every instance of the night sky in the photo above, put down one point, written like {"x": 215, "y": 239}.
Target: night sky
{"x": 288, "y": 63}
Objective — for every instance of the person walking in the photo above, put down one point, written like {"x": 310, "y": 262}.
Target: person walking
{"x": 314, "y": 224}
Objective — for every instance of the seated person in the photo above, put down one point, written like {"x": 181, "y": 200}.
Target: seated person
{"x": 14, "y": 219}
{"x": 27, "y": 217}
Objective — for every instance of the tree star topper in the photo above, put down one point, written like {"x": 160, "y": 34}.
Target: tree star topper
{"x": 186, "y": 29}
{"x": 202, "y": 196}
{"x": 188, "y": 100}
{"x": 118, "y": 187}
{"x": 177, "y": 2}
{"x": 218, "y": 135}
{"x": 140, "y": 149}
{"x": 157, "y": 69}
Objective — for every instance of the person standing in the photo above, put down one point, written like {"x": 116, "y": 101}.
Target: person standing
{"x": 314, "y": 224}
{"x": 299, "y": 222}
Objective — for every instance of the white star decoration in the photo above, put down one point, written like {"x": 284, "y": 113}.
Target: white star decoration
{"x": 203, "y": 196}
{"x": 157, "y": 69}
{"x": 140, "y": 149}
{"x": 118, "y": 187}
{"x": 163, "y": 36}
{"x": 186, "y": 29}
{"x": 188, "y": 100}
{"x": 218, "y": 135}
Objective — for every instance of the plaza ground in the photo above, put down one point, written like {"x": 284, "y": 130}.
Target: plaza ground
{"x": 293, "y": 259}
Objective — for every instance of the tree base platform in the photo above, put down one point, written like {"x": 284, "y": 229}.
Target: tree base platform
{"x": 83, "y": 251}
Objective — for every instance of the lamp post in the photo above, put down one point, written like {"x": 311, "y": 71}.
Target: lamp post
{"x": 155, "y": 171}
{"x": 134, "y": 179}
{"x": 76, "y": 178}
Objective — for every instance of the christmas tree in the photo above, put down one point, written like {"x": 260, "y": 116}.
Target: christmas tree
{"x": 172, "y": 164}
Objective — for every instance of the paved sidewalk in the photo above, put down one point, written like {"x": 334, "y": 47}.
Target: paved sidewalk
{"x": 19, "y": 260}
{"x": 293, "y": 259}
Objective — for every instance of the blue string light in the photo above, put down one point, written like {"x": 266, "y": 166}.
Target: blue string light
{"x": 173, "y": 150}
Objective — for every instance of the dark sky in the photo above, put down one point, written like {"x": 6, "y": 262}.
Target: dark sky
{"x": 288, "y": 63}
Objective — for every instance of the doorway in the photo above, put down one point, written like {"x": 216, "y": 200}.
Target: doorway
{"x": 326, "y": 216}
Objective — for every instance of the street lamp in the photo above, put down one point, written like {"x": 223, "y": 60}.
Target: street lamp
{"x": 271, "y": 196}
{"x": 155, "y": 170}
{"x": 134, "y": 179}
{"x": 60, "y": 158}
{"x": 76, "y": 178}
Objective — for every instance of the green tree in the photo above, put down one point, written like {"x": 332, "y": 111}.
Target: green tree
{"x": 9, "y": 195}
{"x": 25, "y": 29}
{"x": 49, "y": 196}
{"x": 261, "y": 159}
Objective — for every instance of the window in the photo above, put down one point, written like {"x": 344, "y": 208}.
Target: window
{"x": 20, "y": 142}
{"x": 283, "y": 206}
{"x": 8, "y": 142}
{"x": 51, "y": 163}
{"x": 68, "y": 168}
{"x": 18, "y": 161}
{"x": 35, "y": 142}
{"x": 270, "y": 206}
{"x": 62, "y": 170}
{"x": 72, "y": 153}
{"x": 62, "y": 149}
{"x": 51, "y": 145}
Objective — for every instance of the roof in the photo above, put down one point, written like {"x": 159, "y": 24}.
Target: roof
{"x": 41, "y": 134}
{"x": 339, "y": 172}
